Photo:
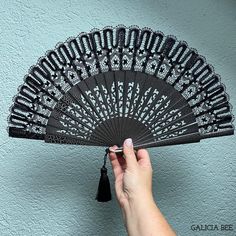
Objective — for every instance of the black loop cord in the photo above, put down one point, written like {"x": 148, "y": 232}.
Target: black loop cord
{"x": 105, "y": 156}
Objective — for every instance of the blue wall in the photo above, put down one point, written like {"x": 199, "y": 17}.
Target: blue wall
{"x": 48, "y": 189}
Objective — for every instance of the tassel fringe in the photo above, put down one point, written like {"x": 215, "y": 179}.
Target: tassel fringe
{"x": 104, "y": 189}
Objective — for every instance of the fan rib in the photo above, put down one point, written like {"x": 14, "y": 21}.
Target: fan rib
{"x": 119, "y": 79}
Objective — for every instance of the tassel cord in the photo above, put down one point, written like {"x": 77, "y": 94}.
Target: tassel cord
{"x": 104, "y": 190}
{"x": 105, "y": 157}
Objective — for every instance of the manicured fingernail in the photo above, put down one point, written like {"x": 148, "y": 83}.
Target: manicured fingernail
{"x": 128, "y": 142}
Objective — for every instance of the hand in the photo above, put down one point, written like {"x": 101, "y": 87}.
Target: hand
{"x": 133, "y": 186}
{"x": 133, "y": 174}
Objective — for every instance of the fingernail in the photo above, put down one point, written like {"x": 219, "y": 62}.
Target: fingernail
{"x": 128, "y": 142}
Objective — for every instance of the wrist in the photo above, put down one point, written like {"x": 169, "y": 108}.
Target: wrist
{"x": 129, "y": 203}
{"x": 143, "y": 217}
{"x": 139, "y": 205}
{"x": 141, "y": 200}
{"x": 137, "y": 213}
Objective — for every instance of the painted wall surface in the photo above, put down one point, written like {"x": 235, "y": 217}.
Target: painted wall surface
{"x": 49, "y": 189}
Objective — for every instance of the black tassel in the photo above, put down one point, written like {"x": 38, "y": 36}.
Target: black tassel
{"x": 104, "y": 189}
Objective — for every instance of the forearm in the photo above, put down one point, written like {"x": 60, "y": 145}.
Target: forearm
{"x": 143, "y": 218}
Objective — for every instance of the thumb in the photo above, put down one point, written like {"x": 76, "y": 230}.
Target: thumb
{"x": 129, "y": 154}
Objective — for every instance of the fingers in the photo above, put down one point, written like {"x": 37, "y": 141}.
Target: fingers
{"x": 121, "y": 160}
{"x": 129, "y": 154}
{"x": 117, "y": 169}
{"x": 132, "y": 158}
{"x": 143, "y": 157}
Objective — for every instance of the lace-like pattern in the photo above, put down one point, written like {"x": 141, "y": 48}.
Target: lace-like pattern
{"x": 119, "y": 49}
{"x": 88, "y": 109}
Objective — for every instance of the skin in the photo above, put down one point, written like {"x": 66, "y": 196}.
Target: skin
{"x": 133, "y": 186}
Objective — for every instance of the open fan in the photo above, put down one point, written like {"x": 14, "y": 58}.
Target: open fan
{"x": 107, "y": 85}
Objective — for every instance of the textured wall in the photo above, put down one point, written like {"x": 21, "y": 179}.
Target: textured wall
{"x": 47, "y": 189}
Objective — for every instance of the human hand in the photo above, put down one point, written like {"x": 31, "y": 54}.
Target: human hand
{"x": 133, "y": 186}
{"x": 133, "y": 174}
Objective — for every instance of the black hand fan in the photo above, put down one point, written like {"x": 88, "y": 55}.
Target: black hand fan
{"x": 107, "y": 85}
